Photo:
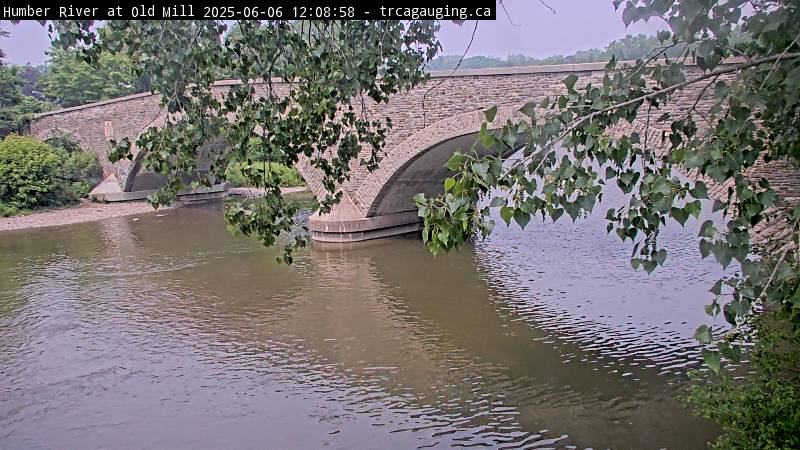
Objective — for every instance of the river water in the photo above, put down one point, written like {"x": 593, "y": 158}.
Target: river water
{"x": 163, "y": 331}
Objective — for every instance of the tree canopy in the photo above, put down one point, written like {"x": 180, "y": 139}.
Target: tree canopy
{"x": 68, "y": 80}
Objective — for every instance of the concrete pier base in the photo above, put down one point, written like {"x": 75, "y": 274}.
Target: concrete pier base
{"x": 109, "y": 191}
{"x": 345, "y": 223}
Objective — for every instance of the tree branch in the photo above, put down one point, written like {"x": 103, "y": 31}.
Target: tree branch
{"x": 714, "y": 73}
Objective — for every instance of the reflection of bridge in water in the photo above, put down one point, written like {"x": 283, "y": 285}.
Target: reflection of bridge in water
{"x": 426, "y": 131}
{"x": 397, "y": 342}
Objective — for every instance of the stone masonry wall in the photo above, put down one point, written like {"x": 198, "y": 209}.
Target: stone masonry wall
{"x": 449, "y": 105}
{"x": 95, "y": 124}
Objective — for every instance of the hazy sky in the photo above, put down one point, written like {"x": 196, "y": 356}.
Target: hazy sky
{"x": 531, "y": 30}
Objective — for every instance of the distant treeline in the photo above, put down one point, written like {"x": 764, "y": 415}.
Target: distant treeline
{"x": 628, "y": 48}
{"x": 65, "y": 80}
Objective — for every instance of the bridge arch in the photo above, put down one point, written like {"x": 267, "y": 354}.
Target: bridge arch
{"x": 134, "y": 179}
{"x": 132, "y": 171}
{"x": 383, "y": 204}
{"x": 417, "y": 164}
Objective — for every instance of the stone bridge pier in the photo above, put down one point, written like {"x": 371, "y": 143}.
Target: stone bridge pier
{"x": 430, "y": 123}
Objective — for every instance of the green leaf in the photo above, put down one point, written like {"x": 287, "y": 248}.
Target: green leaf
{"x": 732, "y": 352}
{"x": 487, "y": 227}
{"x": 717, "y": 288}
{"x": 705, "y": 248}
{"x": 681, "y": 215}
{"x": 490, "y": 114}
{"x": 694, "y": 208}
{"x": 506, "y": 213}
{"x": 522, "y": 218}
{"x": 660, "y": 256}
{"x": 529, "y": 109}
{"x": 449, "y": 183}
{"x": 481, "y": 169}
{"x": 570, "y": 81}
{"x": 796, "y": 212}
{"x": 723, "y": 254}
{"x": 630, "y": 13}
{"x": 783, "y": 271}
{"x": 707, "y": 229}
{"x": 497, "y": 202}
{"x": 454, "y": 162}
{"x": 712, "y": 360}
{"x": 545, "y": 103}
{"x": 699, "y": 191}
{"x": 703, "y": 334}
{"x": 611, "y": 64}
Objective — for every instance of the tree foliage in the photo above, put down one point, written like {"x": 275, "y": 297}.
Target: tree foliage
{"x": 69, "y": 80}
{"x": 16, "y": 102}
{"x": 759, "y": 408}
{"x": 27, "y": 169}
{"x": 569, "y": 153}
{"x": 10, "y": 99}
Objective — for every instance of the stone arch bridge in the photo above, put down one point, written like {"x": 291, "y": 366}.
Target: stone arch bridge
{"x": 430, "y": 123}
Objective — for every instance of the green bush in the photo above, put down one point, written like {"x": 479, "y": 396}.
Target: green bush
{"x": 759, "y": 409}
{"x": 8, "y": 210}
{"x": 244, "y": 175}
{"x": 28, "y": 168}
{"x": 83, "y": 168}
{"x": 35, "y": 174}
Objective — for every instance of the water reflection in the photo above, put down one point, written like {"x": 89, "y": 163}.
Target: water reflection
{"x": 163, "y": 331}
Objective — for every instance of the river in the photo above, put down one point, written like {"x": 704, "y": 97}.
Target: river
{"x": 164, "y": 331}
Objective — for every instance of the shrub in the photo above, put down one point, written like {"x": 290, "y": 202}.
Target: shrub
{"x": 28, "y": 168}
{"x": 82, "y": 167}
{"x": 8, "y": 210}
{"x": 240, "y": 174}
{"x": 761, "y": 408}
{"x": 34, "y": 173}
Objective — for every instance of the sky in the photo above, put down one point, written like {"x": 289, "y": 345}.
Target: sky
{"x": 529, "y": 28}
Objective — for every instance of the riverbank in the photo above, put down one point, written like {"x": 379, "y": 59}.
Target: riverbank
{"x": 86, "y": 211}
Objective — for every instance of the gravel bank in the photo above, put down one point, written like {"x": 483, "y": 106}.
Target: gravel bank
{"x": 82, "y": 212}
{"x": 89, "y": 211}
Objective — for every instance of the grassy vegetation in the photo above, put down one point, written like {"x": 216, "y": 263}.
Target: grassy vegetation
{"x": 246, "y": 175}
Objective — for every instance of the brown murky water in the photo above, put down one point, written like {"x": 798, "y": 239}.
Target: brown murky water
{"x": 162, "y": 331}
